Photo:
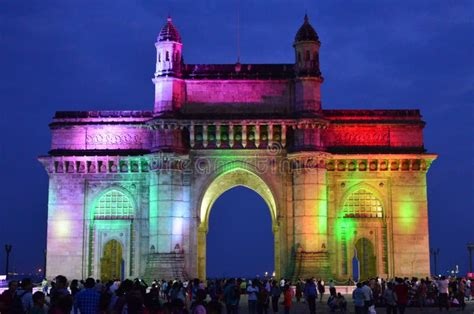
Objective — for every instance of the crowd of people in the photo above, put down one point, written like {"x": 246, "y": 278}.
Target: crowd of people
{"x": 263, "y": 296}
{"x": 399, "y": 293}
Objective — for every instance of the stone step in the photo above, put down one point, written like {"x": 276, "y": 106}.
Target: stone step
{"x": 312, "y": 264}
{"x": 167, "y": 266}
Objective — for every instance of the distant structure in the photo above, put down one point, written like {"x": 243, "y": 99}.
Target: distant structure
{"x": 130, "y": 191}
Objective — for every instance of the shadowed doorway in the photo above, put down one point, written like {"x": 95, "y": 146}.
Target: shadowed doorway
{"x": 240, "y": 241}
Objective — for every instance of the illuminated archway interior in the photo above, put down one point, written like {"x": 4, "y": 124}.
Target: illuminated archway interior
{"x": 240, "y": 238}
{"x": 224, "y": 182}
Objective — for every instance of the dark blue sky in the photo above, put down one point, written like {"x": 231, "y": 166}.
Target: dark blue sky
{"x": 88, "y": 55}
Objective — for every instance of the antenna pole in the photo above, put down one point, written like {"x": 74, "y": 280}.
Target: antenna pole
{"x": 238, "y": 31}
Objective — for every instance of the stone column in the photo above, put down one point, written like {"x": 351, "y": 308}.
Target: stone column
{"x": 202, "y": 233}
{"x": 244, "y": 135}
{"x": 283, "y": 135}
{"x": 218, "y": 135}
{"x": 67, "y": 234}
{"x": 310, "y": 218}
{"x": 231, "y": 135}
{"x": 410, "y": 240}
{"x": 257, "y": 135}
{"x": 204, "y": 135}
{"x": 270, "y": 133}
{"x": 191, "y": 134}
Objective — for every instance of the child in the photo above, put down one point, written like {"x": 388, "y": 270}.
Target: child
{"x": 288, "y": 296}
{"x": 38, "y": 303}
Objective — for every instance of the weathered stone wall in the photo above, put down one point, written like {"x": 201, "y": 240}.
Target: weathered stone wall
{"x": 411, "y": 255}
{"x": 238, "y": 96}
{"x": 100, "y": 137}
{"x": 65, "y": 243}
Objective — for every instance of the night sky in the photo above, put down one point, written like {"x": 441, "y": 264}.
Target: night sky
{"x": 91, "y": 55}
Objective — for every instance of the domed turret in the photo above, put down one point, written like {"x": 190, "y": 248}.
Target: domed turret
{"x": 306, "y": 32}
{"x": 168, "y": 51}
{"x": 307, "y": 50}
{"x": 169, "y": 87}
{"x": 169, "y": 33}
{"x": 308, "y": 76}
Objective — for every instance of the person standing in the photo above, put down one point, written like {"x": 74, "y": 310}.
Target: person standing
{"x": 39, "y": 301}
{"x": 275, "y": 294}
{"x": 6, "y": 299}
{"x": 443, "y": 286}
{"x": 390, "y": 299}
{"x": 231, "y": 296}
{"x": 25, "y": 295}
{"x": 368, "y": 296}
{"x": 401, "y": 290}
{"x": 288, "y": 296}
{"x": 263, "y": 299}
{"x": 359, "y": 299}
{"x": 422, "y": 293}
{"x": 87, "y": 300}
{"x": 311, "y": 293}
{"x": 252, "y": 293}
{"x": 321, "y": 290}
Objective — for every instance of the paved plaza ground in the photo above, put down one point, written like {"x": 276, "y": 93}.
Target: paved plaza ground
{"x": 323, "y": 308}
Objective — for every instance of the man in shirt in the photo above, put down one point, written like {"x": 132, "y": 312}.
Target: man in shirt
{"x": 359, "y": 299}
{"x": 368, "y": 296}
{"x": 311, "y": 293}
{"x": 443, "y": 284}
{"x": 87, "y": 300}
{"x": 25, "y": 294}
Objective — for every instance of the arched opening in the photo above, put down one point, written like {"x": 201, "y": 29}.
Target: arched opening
{"x": 110, "y": 237}
{"x": 231, "y": 177}
{"x": 112, "y": 263}
{"x": 240, "y": 238}
{"x": 364, "y": 250}
{"x": 363, "y": 238}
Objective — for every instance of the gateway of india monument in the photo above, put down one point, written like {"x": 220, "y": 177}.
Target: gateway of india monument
{"x": 130, "y": 192}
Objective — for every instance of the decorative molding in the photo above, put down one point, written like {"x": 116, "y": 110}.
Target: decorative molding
{"x": 381, "y": 163}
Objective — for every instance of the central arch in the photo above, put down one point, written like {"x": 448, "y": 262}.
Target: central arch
{"x": 221, "y": 184}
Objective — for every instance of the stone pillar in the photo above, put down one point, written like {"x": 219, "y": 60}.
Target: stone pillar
{"x": 410, "y": 242}
{"x": 270, "y": 133}
{"x": 309, "y": 219}
{"x": 66, "y": 235}
{"x": 244, "y": 135}
{"x": 231, "y": 135}
{"x": 204, "y": 135}
{"x": 202, "y": 234}
{"x": 283, "y": 135}
{"x": 218, "y": 135}
{"x": 191, "y": 135}
{"x": 257, "y": 135}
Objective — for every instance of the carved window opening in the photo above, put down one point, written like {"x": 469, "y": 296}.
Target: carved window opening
{"x": 114, "y": 205}
{"x": 308, "y": 56}
{"x": 362, "y": 204}
{"x": 167, "y": 56}
{"x": 159, "y": 57}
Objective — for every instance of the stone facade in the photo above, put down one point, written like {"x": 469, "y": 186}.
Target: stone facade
{"x": 338, "y": 183}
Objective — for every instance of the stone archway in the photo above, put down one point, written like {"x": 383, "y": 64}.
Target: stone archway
{"x": 221, "y": 184}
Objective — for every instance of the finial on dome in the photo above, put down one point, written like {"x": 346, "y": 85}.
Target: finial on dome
{"x": 306, "y": 32}
{"x": 169, "y": 32}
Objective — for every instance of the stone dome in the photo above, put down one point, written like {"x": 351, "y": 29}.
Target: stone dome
{"x": 306, "y": 32}
{"x": 169, "y": 32}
